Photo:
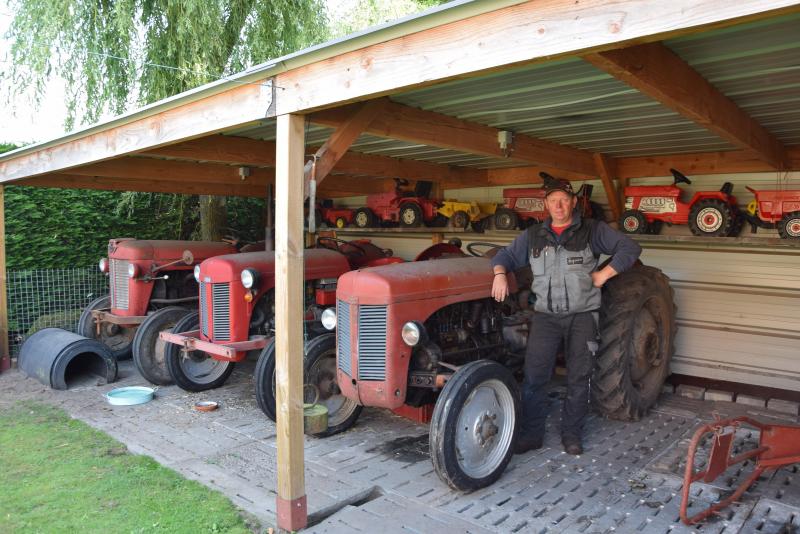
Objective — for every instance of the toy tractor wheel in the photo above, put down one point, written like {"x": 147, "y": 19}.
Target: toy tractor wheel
{"x": 319, "y": 371}
{"x": 364, "y": 218}
{"x": 410, "y": 215}
{"x": 341, "y": 222}
{"x": 474, "y": 425}
{"x": 459, "y": 219}
{"x": 633, "y": 222}
{"x": 637, "y": 322}
{"x": 149, "y": 351}
{"x": 195, "y": 370}
{"x": 789, "y": 226}
{"x": 711, "y": 217}
{"x": 117, "y": 338}
{"x": 505, "y": 219}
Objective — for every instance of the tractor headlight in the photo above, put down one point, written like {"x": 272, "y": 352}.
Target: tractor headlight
{"x": 249, "y": 278}
{"x": 328, "y": 318}
{"x": 103, "y": 264}
{"x": 197, "y": 273}
{"x": 412, "y": 333}
{"x": 133, "y": 270}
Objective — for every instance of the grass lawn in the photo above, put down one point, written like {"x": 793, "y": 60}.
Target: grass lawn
{"x": 60, "y": 475}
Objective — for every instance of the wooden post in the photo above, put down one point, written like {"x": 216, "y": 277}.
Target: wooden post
{"x": 291, "y": 499}
{"x": 5, "y": 357}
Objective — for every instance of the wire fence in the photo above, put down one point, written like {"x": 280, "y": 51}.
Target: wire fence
{"x": 49, "y": 298}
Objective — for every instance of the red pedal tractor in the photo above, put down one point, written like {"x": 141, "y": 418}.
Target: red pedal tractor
{"x": 708, "y": 213}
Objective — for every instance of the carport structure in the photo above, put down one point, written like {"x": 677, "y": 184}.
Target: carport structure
{"x": 610, "y": 89}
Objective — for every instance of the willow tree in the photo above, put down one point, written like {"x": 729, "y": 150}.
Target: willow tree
{"x": 119, "y": 54}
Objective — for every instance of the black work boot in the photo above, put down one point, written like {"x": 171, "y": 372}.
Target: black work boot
{"x": 572, "y": 445}
{"x": 525, "y": 443}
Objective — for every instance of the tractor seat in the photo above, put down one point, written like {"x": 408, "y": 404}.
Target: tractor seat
{"x": 727, "y": 188}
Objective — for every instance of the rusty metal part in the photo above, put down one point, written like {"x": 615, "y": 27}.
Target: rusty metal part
{"x": 778, "y": 445}
{"x": 101, "y": 316}
{"x": 235, "y": 351}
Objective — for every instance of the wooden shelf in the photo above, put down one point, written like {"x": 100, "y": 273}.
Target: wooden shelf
{"x": 420, "y": 230}
{"x": 742, "y": 241}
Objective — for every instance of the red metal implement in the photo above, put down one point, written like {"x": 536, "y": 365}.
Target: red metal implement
{"x": 778, "y": 445}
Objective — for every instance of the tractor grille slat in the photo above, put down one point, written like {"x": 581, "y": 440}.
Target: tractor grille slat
{"x": 343, "y": 353}
{"x": 372, "y": 342}
{"x": 220, "y": 311}
{"x": 203, "y": 309}
{"x": 118, "y": 280}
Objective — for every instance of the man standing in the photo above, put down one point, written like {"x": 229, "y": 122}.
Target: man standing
{"x": 563, "y": 254}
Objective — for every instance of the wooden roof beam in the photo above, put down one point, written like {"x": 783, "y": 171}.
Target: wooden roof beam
{"x": 660, "y": 73}
{"x": 435, "y": 129}
{"x": 607, "y": 170}
{"x": 144, "y": 185}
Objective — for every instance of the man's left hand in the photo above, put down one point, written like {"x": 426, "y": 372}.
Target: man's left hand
{"x": 599, "y": 278}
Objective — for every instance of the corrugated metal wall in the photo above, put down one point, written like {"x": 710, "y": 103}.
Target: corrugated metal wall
{"x": 738, "y": 306}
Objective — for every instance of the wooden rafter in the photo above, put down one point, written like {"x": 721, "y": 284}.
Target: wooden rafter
{"x": 606, "y": 169}
{"x": 435, "y": 129}
{"x": 228, "y": 149}
{"x": 144, "y": 185}
{"x": 658, "y": 72}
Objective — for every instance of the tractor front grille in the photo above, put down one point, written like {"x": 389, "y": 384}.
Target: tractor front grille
{"x": 372, "y": 342}
{"x": 203, "y": 309}
{"x": 221, "y": 311}
{"x": 118, "y": 280}
{"x": 343, "y": 354}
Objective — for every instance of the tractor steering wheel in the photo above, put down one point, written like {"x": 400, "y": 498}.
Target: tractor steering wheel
{"x": 339, "y": 243}
{"x": 472, "y": 248}
{"x": 680, "y": 177}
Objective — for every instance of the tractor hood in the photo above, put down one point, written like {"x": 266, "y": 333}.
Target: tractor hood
{"x": 157, "y": 250}
{"x": 318, "y": 262}
{"x": 470, "y": 278}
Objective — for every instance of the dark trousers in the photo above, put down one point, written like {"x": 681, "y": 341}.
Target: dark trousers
{"x": 577, "y": 334}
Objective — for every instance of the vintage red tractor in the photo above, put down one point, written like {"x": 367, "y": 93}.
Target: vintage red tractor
{"x": 427, "y": 336}
{"x": 708, "y": 213}
{"x": 237, "y": 307}
{"x": 151, "y": 284}
{"x": 524, "y": 206}
{"x": 777, "y": 208}
{"x": 408, "y": 208}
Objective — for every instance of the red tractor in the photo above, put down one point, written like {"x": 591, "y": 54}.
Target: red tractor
{"x": 775, "y": 209}
{"x": 237, "y": 307}
{"x": 708, "y": 213}
{"x": 334, "y": 217}
{"x": 409, "y": 209}
{"x": 427, "y": 337}
{"x": 151, "y": 285}
{"x": 524, "y": 206}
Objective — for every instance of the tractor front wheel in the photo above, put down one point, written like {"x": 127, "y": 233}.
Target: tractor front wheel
{"x": 505, "y": 219}
{"x": 364, "y": 218}
{"x": 149, "y": 351}
{"x": 711, "y": 217}
{"x": 474, "y": 425}
{"x": 459, "y": 219}
{"x": 633, "y": 222}
{"x": 341, "y": 222}
{"x": 410, "y": 215}
{"x": 789, "y": 226}
{"x": 117, "y": 338}
{"x": 195, "y": 370}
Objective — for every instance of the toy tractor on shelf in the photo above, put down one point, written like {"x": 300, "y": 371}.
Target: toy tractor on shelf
{"x": 462, "y": 214}
{"x": 775, "y": 209}
{"x": 237, "y": 307}
{"x": 708, "y": 213}
{"x": 332, "y": 216}
{"x": 410, "y": 209}
{"x": 524, "y": 206}
{"x": 150, "y": 282}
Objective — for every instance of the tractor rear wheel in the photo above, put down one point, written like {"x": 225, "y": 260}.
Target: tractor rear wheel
{"x": 195, "y": 370}
{"x": 319, "y": 371}
{"x": 505, "y": 219}
{"x": 637, "y": 327}
{"x": 474, "y": 425}
{"x": 789, "y": 226}
{"x": 633, "y": 222}
{"x": 116, "y": 337}
{"x": 459, "y": 219}
{"x": 149, "y": 352}
{"x": 410, "y": 215}
{"x": 364, "y": 218}
{"x": 711, "y": 217}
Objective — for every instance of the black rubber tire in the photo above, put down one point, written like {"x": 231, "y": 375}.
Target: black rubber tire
{"x": 149, "y": 350}
{"x": 789, "y": 226}
{"x": 364, "y": 218}
{"x": 440, "y": 221}
{"x": 505, "y": 219}
{"x": 119, "y": 345}
{"x": 459, "y": 219}
{"x": 175, "y": 364}
{"x": 711, "y": 209}
{"x": 637, "y": 327}
{"x": 410, "y": 215}
{"x": 633, "y": 222}
{"x": 445, "y": 425}
{"x": 340, "y": 222}
{"x": 319, "y": 348}
{"x": 479, "y": 226}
